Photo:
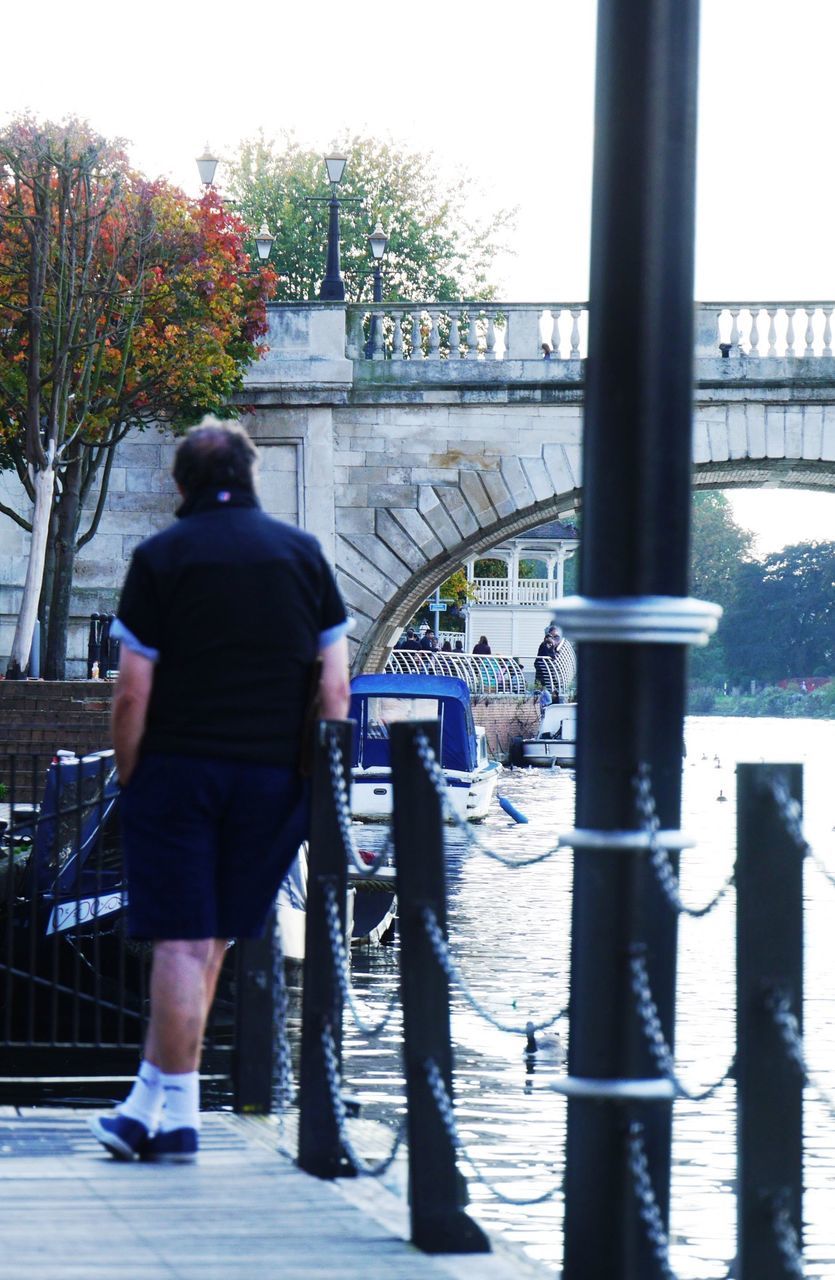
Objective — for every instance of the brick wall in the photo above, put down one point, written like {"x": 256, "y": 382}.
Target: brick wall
{"x": 44, "y": 716}
{"x": 505, "y": 717}
{"x": 39, "y": 716}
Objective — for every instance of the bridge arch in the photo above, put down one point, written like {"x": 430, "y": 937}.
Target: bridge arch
{"x": 381, "y": 632}
{"x": 378, "y": 629}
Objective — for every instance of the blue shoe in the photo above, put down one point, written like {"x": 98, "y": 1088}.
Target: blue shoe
{"x": 124, "y": 1138}
{"x": 177, "y": 1146}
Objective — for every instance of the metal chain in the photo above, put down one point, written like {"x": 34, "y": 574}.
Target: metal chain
{"x": 660, "y": 858}
{"x": 445, "y": 960}
{"x": 787, "y": 1239}
{"x": 340, "y": 962}
{"x": 343, "y": 814}
{"x": 777, "y": 1003}
{"x": 340, "y": 1115}
{"x": 442, "y": 1098}
{"x": 790, "y": 812}
{"x": 654, "y": 1034}
{"x": 436, "y": 777}
{"x": 647, "y": 1204}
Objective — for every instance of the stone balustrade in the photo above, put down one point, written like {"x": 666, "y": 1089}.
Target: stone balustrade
{"x": 776, "y": 330}
{"x": 469, "y": 331}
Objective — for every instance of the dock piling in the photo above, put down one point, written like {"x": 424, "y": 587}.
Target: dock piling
{"x": 320, "y": 1149}
{"x": 439, "y": 1223}
{"x": 769, "y": 960}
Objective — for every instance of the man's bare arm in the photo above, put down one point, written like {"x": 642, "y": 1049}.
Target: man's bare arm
{"x": 334, "y": 686}
{"x": 130, "y": 708}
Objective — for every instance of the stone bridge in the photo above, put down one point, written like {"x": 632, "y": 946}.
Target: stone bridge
{"x": 409, "y": 437}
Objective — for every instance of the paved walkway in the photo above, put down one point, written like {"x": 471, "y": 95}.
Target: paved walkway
{"x": 245, "y": 1212}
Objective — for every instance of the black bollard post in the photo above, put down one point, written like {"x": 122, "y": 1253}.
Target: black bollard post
{"x": 439, "y": 1223}
{"x": 254, "y": 1019}
{"x": 769, "y": 964}
{"x": 320, "y": 1149}
{"x": 633, "y": 619}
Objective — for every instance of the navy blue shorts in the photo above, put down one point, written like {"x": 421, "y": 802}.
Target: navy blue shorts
{"x": 207, "y": 843}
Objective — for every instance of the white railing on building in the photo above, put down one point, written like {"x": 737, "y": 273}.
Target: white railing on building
{"x": 522, "y": 591}
{"x": 494, "y": 673}
{"x": 559, "y": 330}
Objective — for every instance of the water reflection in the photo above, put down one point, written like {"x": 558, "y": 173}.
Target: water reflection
{"x": 509, "y": 933}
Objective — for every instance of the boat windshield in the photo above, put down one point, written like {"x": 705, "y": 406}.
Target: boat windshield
{"x": 382, "y": 712}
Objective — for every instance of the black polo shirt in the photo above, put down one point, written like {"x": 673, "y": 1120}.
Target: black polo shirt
{"x": 233, "y": 605}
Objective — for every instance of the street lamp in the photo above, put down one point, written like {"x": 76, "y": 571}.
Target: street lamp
{"x": 377, "y": 242}
{"x": 206, "y": 166}
{"x": 264, "y": 242}
{"x": 333, "y": 286}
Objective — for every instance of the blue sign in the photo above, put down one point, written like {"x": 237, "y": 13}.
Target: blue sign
{"x": 437, "y": 606}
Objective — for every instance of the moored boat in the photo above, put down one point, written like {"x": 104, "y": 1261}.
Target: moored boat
{"x": 378, "y": 701}
{"x": 556, "y": 741}
{"x": 371, "y": 906}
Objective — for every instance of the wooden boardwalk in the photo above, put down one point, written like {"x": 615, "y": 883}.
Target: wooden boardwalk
{"x": 244, "y": 1212}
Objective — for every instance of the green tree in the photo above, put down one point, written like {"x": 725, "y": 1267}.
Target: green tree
{"x": 783, "y": 621}
{"x": 720, "y": 551}
{"x": 441, "y": 247}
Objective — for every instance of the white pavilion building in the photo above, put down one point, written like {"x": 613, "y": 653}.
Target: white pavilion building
{"x": 513, "y": 611}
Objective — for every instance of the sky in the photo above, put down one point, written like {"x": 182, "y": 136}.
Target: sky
{"x": 505, "y": 91}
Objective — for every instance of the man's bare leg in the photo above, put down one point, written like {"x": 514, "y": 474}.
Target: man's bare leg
{"x": 183, "y": 979}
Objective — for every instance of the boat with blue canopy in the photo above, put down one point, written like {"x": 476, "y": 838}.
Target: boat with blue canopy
{"x": 378, "y": 701}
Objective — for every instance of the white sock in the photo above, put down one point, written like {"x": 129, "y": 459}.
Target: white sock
{"x": 181, "y": 1109}
{"x": 144, "y": 1102}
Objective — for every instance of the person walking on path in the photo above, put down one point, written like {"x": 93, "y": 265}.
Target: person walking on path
{"x": 221, "y": 621}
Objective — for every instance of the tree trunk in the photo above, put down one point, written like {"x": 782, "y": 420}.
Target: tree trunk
{"x": 44, "y": 482}
{"x": 48, "y": 580}
{"x": 69, "y": 515}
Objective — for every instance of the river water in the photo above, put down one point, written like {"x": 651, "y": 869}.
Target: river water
{"x": 509, "y": 933}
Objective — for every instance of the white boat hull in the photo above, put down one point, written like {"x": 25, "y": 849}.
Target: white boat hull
{"x": 556, "y": 742}
{"x": 471, "y": 793}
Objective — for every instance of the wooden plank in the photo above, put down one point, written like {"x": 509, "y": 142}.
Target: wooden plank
{"x": 73, "y": 1213}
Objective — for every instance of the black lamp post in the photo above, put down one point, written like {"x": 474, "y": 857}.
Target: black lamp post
{"x": 333, "y": 286}
{"x": 377, "y": 242}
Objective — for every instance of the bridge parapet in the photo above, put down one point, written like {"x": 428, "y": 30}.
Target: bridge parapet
{"x": 332, "y": 348}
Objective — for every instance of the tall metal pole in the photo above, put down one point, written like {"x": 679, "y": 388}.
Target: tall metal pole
{"x": 634, "y": 557}
{"x": 332, "y": 288}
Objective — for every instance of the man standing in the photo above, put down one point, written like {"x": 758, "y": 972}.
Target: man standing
{"x": 221, "y": 620}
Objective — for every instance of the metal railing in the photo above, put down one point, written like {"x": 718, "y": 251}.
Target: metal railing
{"x": 494, "y": 673}
{"x": 73, "y": 985}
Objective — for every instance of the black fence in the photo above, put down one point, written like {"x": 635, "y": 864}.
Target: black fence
{"x": 73, "y": 986}
{"x": 102, "y": 648}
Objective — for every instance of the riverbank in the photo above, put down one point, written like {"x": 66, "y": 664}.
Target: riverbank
{"x": 792, "y": 703}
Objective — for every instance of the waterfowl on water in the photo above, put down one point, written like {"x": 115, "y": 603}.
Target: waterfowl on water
{"x": 543, "y": 1048}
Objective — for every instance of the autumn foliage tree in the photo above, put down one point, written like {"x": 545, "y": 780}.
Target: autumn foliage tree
{"x": 123, "y": 305}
